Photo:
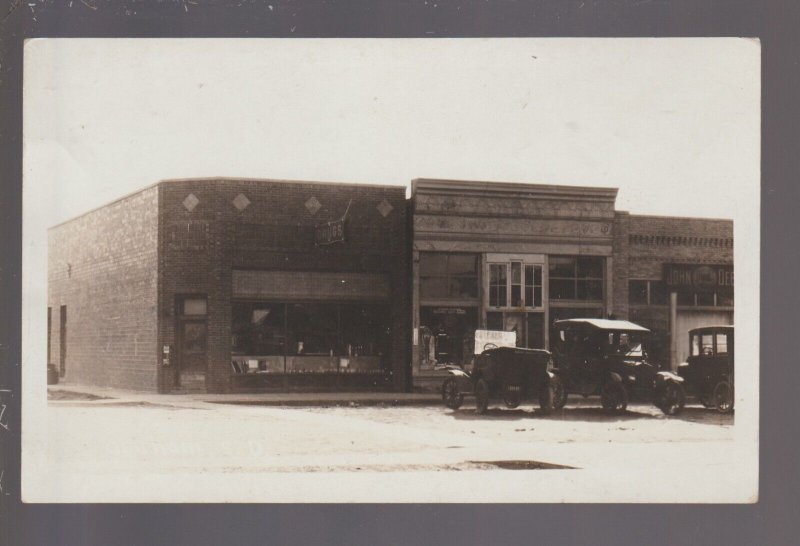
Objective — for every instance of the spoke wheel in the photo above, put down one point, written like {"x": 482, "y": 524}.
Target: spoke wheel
{"x": 723, "y": 397}
{"x": 481, "y": 396}
{"x": 559, "y": 393}
{"x": 512, "y": 400}
{"x": 671, "y": 398}
{"x": 451, "y": 394}
{"x": 614, "y": 397}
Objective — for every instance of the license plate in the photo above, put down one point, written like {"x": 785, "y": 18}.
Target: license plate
{"x": 513, "y": 388}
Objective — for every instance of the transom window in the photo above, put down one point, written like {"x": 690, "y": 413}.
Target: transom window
{"x": 448, "y": 276}
{"x": 515, "y": 284}
{"x": 576, "y": 278}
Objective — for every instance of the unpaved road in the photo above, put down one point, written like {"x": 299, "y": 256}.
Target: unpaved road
{"x": 143, "y": 450}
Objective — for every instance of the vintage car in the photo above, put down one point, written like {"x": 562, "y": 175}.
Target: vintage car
{"x": 607, "y": 357}
{"x": 708, "y": 371}
{"x": 510, "y": 374}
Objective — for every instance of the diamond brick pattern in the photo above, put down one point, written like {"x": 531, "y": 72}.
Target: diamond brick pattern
{"x": 385, "y": 208}
{"x": 191, "y": 202}
{"x": 313, "y": 205}
{"x": 241, "y": 201}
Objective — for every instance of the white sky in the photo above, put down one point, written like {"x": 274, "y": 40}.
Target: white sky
{"x": 674, "y": 123}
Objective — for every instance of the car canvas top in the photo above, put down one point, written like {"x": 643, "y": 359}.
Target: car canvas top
{"x": 605, "y": 324}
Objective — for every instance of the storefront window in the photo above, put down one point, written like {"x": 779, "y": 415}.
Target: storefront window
{"x": 310, "y": 337}
{"x": 312, "y": 329}
{"x": 576, "y": 278}
{"x": 448, "y": 276}
{"x": 258, "y": 329}
{"x": 365, "y": 330}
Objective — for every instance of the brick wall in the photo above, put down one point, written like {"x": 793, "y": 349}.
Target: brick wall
{"x": 275, "y": 231}
{"x": 643, "y": 244}
{"x": 102, "y": 266}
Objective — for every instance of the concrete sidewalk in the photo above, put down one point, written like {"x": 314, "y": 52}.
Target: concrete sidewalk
{"x": 67, "y": 391}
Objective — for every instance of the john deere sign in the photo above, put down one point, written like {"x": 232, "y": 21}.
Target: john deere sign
{"x": 698, "y": 278}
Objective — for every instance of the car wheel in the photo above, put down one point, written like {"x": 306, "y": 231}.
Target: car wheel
{"x": 723, "y": 397}
{"x": 512, "y": 400}
{"x": 481, "y": 396}
{"x": 671, "y": 398}
{"x": 559, "y": 393}
{"x": 546, "y": 396}
{"x": 614, "y": 397}
{"x": 451, "y": 395}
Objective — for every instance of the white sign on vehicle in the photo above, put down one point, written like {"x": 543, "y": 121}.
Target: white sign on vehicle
{"x": 497, "y": 338}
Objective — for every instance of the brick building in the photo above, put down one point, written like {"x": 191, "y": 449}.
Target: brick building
{"x": 227, "y": 285}
{"x": 522, "y": 256}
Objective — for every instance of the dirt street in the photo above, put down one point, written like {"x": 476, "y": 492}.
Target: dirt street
{"x": 145, "y": 450}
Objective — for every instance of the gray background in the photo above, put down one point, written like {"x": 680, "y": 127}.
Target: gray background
{"x": 774, "y": 520}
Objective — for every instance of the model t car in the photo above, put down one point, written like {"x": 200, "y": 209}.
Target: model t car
{"x": 607, "y": 357}
{"x": 708, "y": 370}
{"x": 510, "y": 374}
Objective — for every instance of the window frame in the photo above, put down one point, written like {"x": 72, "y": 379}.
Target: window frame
{"x": 449, "y": 277}
{"x": 576, "y": 279}
{"x": 507, "y": 266}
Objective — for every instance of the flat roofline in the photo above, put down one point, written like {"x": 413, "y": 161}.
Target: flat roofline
{"x": 543, "y": 190}
{"x": 280, "y": 181}
{"x": 669, "y": 217}
{"x": 222, "y": 179}
{"x": 104, "y": 205}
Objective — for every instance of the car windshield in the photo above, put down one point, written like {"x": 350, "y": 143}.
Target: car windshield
{"x": 599, "y": 342}
{"x": 625, "y": 343}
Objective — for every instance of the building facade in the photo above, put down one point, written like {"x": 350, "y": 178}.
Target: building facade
{"x": 226, "y": 285}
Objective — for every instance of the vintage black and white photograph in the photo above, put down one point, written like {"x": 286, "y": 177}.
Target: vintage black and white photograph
{"x": 391, "y": 270}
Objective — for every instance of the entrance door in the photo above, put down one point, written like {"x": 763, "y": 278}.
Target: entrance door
{"x": 192, "y": 340}
{"x": 62, "y": 346}
{"x": 528, "y": 326}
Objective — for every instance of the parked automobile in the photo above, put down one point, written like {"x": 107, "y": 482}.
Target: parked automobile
{"x": 608, "y": 357}
{"x": 708, "y": 371}
{"x": 511, "y": 374}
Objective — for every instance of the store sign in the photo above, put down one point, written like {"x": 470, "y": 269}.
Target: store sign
{"x": 698, "y": 278}
{"x": 329, "y": 233}
{"x": 449, "y": 311}
{"x": 497, "y": 338}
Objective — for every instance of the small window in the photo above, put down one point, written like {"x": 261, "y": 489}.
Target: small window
{"x": 194, "y": 337}
{"x": 194, "y": 306}
{"x": 637, "y": 292}
{"x": 722, "y": 344}
{"x": 695, "y": 345}
{"x": 659, "y": 295}
{"x": 705, "y": 299}
{"x": 707, "y": 344}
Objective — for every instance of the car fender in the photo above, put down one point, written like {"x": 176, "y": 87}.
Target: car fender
{"x": 458, "y": 373}
{"x": 615, "y": 377}
{"x": 669, "y": 376}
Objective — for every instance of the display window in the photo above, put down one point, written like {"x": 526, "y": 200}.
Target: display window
{"x": 269, "y": 337}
